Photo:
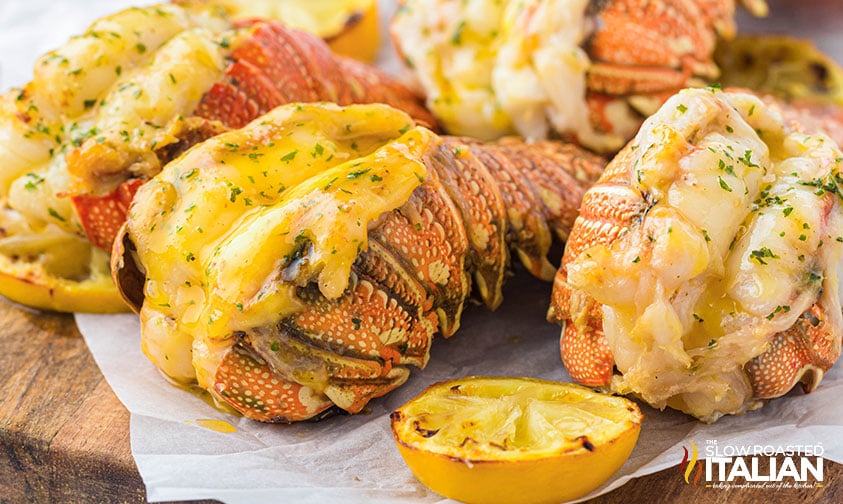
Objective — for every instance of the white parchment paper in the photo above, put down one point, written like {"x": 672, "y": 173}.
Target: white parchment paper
{"x": 353, "y": 458}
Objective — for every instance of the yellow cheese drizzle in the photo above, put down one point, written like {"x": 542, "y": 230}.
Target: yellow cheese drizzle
{"x": 228, "y": 231}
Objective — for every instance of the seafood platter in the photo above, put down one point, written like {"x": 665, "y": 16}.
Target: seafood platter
{"x": 413, "y": 250}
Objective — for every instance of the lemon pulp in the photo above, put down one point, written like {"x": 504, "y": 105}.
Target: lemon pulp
{"x": 510, "y": 440}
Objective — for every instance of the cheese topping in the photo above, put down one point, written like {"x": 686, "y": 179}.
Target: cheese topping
{"x": 117, "y": 86}
{"x": 743, "y": 233}
{"x": 227, "y": 232}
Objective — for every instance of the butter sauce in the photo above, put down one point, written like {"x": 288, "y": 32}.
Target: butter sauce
{"x": 220, "y": 426}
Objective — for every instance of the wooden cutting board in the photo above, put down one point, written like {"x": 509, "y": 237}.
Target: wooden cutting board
{"x": 64, "y": 435}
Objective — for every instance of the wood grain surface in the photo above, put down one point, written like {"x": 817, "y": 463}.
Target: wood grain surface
{"x": 64, "y": 435}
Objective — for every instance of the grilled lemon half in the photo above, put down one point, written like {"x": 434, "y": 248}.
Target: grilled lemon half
{"x": 514, "y": 440}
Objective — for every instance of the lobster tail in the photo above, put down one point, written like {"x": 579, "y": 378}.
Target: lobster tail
{"x": 703, "y": 280}
{"x": 340, "y": 335}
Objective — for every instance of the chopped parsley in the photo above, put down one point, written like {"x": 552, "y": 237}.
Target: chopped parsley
{"x": 761, "y": 254}
{"x": 53, "y": 213}
{"x": 355, "y": 174}
{"x": 33, "y": 182}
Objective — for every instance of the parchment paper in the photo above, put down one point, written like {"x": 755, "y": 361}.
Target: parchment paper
{"x": 353, "y": 458}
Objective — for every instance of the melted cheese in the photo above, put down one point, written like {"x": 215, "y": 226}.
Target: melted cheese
{"x": 86, "y": 66}
{"x": 740, "y": 238}
{"x": 137, "y": 106}
{"x": 227, "y": 232}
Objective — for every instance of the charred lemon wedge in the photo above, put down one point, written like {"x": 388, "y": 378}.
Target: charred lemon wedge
{"x": 513, "y": 440}
{"x": 359, "y": 36}
{"x": 63, "y": 274}
{"x": 787, "y": 67}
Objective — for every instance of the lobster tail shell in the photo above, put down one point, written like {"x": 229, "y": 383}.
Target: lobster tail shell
{"x": 272, "y": 65}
